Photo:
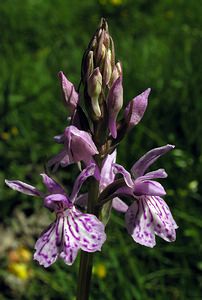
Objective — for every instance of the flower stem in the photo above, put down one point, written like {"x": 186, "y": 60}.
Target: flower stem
{"x": 86, "y": 258}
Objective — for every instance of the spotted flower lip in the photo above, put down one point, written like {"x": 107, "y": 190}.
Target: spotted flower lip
{"x": 148, "y": 215}
{"x": 78, "y": 146}
{"x": 72, "y": 230}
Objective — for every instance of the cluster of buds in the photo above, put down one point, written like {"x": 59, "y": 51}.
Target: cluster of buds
{"x": 102, "y": 79}
{"x": 91, "y": 139}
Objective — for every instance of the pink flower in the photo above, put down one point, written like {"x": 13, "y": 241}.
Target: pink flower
{"x": 148, "y": 215}
{"x": 72, "y": 230}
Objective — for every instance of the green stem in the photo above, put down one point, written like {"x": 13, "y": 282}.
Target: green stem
{"x": 86, "y": 259}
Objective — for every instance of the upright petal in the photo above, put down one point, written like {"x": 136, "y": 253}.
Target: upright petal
{"x": 87, "y": 172}
{"x": 62, "y": 158}
{"x": 135, "y": 109}
{"x": 107, "y": 175}
{"x": 52, "y": 186}
{"x": 23, "y": 187}
{"x": 148, "y": 159}
{"x": 118, "y": 169}
{"x": 71, "y": 97}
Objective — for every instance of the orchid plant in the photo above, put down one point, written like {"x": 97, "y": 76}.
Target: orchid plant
{"x": 90, "y": 141}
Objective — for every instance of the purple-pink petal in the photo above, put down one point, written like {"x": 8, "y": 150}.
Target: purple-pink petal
{"x": 23, "y": 187}
{"x": 62, "y": 158}
{"x": 107, "y": 175}
{"x": 51, "y": 185}
{"x": 118, "y": 169}
{"x": 71, "y": 97}
{"x": 79, "y": 145}
{"x": 87, "y": 172}
{"x": 148, "y": 187}
{"x": 148, "y": 159}
{"x": 135, "y": 109}
{"x": 57, "y": 202}
{"x": 160, "y": 173}
{"x": 119, "y": 205}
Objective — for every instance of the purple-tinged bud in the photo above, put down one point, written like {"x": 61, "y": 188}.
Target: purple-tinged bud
{"x": 115, "y": 103}
{"x": 78, "y": 146}
{"x": 135, "y": 109}
{"x": 99, "y": 53}
{"x": 94, "y": 90}
{"x": 117, "y": 72}
{"x": 107, "y": 68}
{"x": 70, "y": 95}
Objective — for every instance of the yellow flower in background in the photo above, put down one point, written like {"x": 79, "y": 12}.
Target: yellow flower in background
{"x": 18, "y": 262}
{"x": 116, "y": 2}
{"x": 20, "y": 270}
{"x": 14, "y": 131}
{"x": 100, "y": 270}
{"x": 24, "y": 254}
{"x": 5, "y": 136}
{"x": 113, "y": 2}
{"x": 21, "y": 254}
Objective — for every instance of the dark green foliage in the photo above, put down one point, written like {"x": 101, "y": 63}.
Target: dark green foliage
{"x": 159, "y": 44}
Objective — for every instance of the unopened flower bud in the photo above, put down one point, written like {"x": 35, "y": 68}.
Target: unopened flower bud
{"x": 115, "y": 103}
{"x": 90, "y": 64}
{"x": 107, "y": 67}
{"x": 100, "y": 46}
{"x": 70, "y": 95}
{"x": 94, "y": 90}
{"x": 117, "y": 71}
{"x": 135, "y": 109}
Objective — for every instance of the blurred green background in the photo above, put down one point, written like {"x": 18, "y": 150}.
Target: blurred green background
{"x": 160, "y": 46}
